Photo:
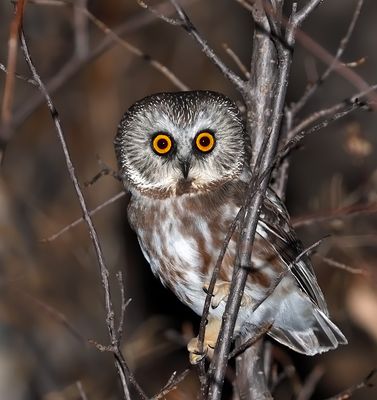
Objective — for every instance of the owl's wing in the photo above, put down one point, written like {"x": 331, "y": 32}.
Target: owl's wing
{"x": 277, "y": 231}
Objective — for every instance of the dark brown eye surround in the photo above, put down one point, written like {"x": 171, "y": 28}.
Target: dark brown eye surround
{"x": 162, "y": 143}
{"x": 205, "y": 141}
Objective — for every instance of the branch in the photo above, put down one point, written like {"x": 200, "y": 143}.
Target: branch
{"x": 172, "y": 383}
{"x": 79, "y": 220}
{"x": 236, "y": 60}
{"x": 81, "y": 391}
{"x": 295, "y": 108}
{"x": 249, "y": 225}
{"x": 75, "y": 64}
{"x": 336, "y": 264}
{"x": 104, "y": 272}
{"x": 185, "y": 22}
{"x": 6, "y": 109}
{"x": 339, "y": 213}
{"x": 346, "y": 394}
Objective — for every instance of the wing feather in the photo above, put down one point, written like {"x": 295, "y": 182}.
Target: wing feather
{"x": 274, "y": 221}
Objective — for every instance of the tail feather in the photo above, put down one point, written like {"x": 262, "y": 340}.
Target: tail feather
{"x": 322, "y": 335}
{"x": 309, "y": 330}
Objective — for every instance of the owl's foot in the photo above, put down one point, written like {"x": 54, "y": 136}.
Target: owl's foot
{"x": 221, "y": 293}
{"x": 209, "y": 343}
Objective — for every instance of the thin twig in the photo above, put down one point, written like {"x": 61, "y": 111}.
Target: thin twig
{"x": 336, "y": 264}
{"x": 104, "y": 272}
{"x": 81, "y": 391}
{"x": 171, "y": 385}
{"x": 19, "y": 76}
{"x": 346, "y": 394}
{"x": 58, "y": 316}
{"x": 245, "y": 5}
{"x": 6, "y": 108}
{"x": 252, "y": 340}
{"x": 74, "y": 64}
{"x": 81, "y": 29}
{"x": 185, "y": 22}
{"x": 79, "y": 220}
{"x": 296, "y": 107}
{"x": 105, "y": 170}
{"x": 163, "y": 69}
{"x": 124, "y": 304}
{"x": 311, "y": 383}
{"x": 236, "y": 60}
{"x": 339, "y": 213}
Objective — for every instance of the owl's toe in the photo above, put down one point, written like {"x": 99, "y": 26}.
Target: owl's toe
{"x": 221, "y": 292}
{"x": 195, "y": 354}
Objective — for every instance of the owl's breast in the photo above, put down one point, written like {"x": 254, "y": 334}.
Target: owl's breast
{"x": 181, "y": 240}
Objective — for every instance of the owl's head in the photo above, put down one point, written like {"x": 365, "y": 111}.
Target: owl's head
{"x": 176, "y": 143}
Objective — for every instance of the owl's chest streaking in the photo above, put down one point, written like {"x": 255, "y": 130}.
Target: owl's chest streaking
{"x": 181, "y": 238}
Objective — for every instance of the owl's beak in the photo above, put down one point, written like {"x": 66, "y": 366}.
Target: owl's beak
{"x": 185, "y": 167}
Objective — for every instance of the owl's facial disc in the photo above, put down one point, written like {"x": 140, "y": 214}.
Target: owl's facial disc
{"x": 180, "y": 143}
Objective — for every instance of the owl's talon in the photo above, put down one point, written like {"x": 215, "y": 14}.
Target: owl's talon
{"x": 209, "y": 343}
{"x": 195, "y": 355}
{"x": 221, "y": 292}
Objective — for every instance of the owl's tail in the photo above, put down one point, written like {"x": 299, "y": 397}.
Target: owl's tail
{"x": 305, "y": 328}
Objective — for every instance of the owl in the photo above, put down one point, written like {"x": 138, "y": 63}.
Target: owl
{"x": 185, "y": 157}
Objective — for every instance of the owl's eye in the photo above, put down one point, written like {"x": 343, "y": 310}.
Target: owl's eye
{"x": 205, "y": 142}
{"x": 162, "y": 144}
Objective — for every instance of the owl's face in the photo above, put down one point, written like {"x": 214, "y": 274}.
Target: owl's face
{"x": 177, "y": 143}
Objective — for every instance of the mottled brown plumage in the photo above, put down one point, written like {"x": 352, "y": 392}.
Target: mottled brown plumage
{"x": 186, "y": 193}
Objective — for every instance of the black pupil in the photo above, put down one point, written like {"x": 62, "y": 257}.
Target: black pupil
{"x": 162, "y": 143}
{"x": 205, "y": 141}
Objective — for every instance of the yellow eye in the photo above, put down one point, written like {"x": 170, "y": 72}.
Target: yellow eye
{"x": 162, "y": 144}
{"x": 205, "y": 142}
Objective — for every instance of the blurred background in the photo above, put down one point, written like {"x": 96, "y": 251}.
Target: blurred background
{"x": 51, "y": 300}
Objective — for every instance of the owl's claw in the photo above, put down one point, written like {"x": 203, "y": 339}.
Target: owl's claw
{"x": 221, "y": 292}
{"x": 209, "y": 343}
{"x": 195, "y": 354}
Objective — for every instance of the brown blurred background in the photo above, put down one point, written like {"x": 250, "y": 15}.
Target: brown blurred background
{"x": 51, "y": 301}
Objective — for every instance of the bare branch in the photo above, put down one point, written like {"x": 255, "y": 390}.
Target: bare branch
{"x": 340, "y": 213}
{"x": 346, "y": 394}
{"x": 79, "y": 220}
{"x": 104, "y": 272}
{"x": 251, "y": 341}
{"x": 6, "y": 109}
{"x": 74, "y": 65}
{"x": 336, "y": 264}
{"x": 124, "y": 304}
{"x": 236, "y": 60}
{"x": 171, "y": 385}
{"x": 163, "y": 69}
{"x": 81, "y": 29}
{"x": 105, "y": 170}
{"x": 18, "y": 76}
{"x": 81, "y": 391}
{"x": 311, "y": 383}
{"x": 185, "y": 22}
{"x": 298, "y": 17}
{"x": 295, "y": 108}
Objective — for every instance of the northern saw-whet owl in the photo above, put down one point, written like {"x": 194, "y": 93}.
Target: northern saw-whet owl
{"x": 184, "y": 157}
